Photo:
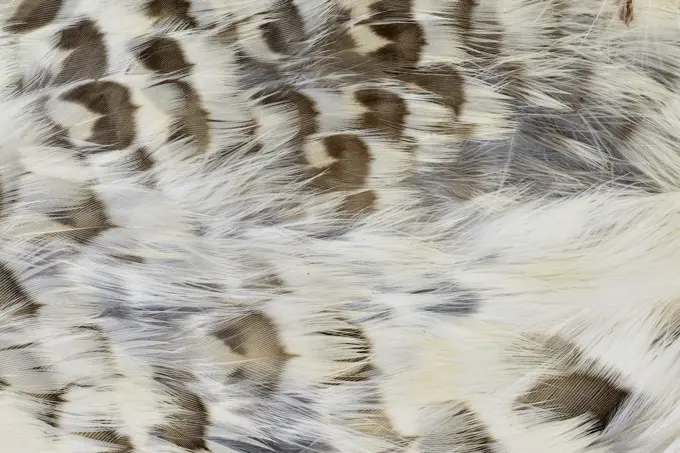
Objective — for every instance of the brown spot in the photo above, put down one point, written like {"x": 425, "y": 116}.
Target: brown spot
{"x": 256, "y": 339}
{"x": 273, "y": 37}
{"x": 88, "y": 59}
{"x": 305, "y": 106}
{"x": 116, "y": 129}
{"x": 307, "y": 113}
{"x": 404, "y": 52}
{"x": 85, "y": 221}
{"x": 486, "y": 39}
{"x": 119, "y": 442}
{"x": 360, "y": 203}
{"x": 13, "y": 297}
{"x": 442, "y": 81}
{"x": 172, "y": 10}
{"x": 190, "y": 119}
{"x": 142, "y": 160}
{"x": 626, "y": 14}
{"x": 393, "y": 20}
{"x": 285, "y": 30}
{"x": 576, "y": 394}
{"x": 49, "y": 411}
{"x": 462, "y": 15}
{"x": 77, "y": 35}
{"x": 352, "y": 163}
{"x": 346, "y": 60}
{"x": 34, "y": 14}
{"x": 186, "y": 428}
{"x": 386, "y": 16}
{"x": 165, "y": 56}
{"x": 387, "y": 111}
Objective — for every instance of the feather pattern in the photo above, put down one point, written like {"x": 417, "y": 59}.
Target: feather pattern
{"x": 367, "y": 226}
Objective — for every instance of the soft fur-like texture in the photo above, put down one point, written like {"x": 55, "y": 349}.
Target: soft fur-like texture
{"x": 339, "y": 226}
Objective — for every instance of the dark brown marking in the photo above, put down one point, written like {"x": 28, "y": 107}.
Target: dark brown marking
{"x": 191, "y": 120}
{"x": 78, "y": 34}
{"x": 387, "y": 111}
{"x": 34, "y": 14}
{"x": 50, "y": 410}
{"x": 256, "y": 338}
{"x": 393, "y": 20}
{"x": 88, "y": 59}
{"x": 273, "y": 37}
{"x": 627, "y": 14}
{"x": 304, "y": 105}
{"x": 85, "y": 221}
{"x": 363, "y": 346}
{"x": 13, "y": 297}
{"x": 481, "y": 40}
{"x": 361, "y": 203}
{"x": 285, "y": 30}
{"x": 186, "y": 428}
{"x": 577, "y": 394}
{"x": 116, "y": 129}
{"x": 142, "y": 160}
{"x": 352, "y": 165}
{"x": 307, "y": 113}
{"x": 165, "y": 56}
{"x": 172, "y": 10}
{"x": 462, "y": 15}
{"x": 404, "y": 52}
{"x": 388, "y": 16}
{"x": 346, "y": 59}
{"x": 121, "y": 443}
{"x": 442, "y": 81}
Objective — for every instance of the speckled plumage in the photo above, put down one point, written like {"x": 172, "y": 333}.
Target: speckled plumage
{"x": 362, "y": 226}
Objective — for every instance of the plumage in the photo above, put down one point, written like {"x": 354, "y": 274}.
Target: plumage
{"x": 362, "y": 226}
